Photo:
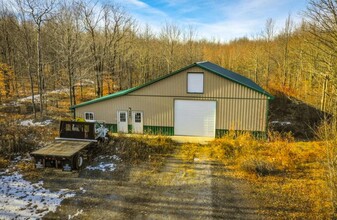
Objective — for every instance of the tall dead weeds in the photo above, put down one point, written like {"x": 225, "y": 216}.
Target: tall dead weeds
{"x": 327, "y": 132}
{"x": 140, "y": 148}
{"x": 281, "y": 170}
{"x": 17, "y": 139}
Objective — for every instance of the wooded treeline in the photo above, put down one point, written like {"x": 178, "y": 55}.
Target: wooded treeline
{"x": 47, "y": 45}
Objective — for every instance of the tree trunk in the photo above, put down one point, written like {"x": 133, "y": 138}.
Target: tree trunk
{"x": 324, "y": 92}
{"x": 32, "y": 88}
{"x": 39, "y": 68}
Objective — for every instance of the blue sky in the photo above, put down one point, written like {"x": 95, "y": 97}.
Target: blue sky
{"x": 215, "y": 19}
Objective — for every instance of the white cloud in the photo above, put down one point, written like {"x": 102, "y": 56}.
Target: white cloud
{"x": 213, "y": 19}
{"x": 247, "y": 18}
{"x": 137, "y": 3}
{"x": 140, "y": 7}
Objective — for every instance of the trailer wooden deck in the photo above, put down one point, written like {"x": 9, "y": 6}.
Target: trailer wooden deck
{"x": 76, "y": 143}
{"x": 62, "y": 148}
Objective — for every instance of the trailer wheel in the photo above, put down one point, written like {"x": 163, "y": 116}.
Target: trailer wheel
{"x": 78, "y": 161}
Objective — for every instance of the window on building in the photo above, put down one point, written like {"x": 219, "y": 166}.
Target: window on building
{"x": 68, "y": 127}
{"x": 89, "y": 116}
{"x": 122, "y": 116}
{"x": 195, "y": 83}
{"x": 138, "y": 117}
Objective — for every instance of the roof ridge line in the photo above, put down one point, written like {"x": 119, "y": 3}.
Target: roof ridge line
{"x": 205, "y": 61}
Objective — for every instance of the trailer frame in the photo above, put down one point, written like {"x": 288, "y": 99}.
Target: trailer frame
{"x": 75, "y": 145}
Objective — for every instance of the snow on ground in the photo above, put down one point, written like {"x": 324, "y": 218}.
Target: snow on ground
{"x": 82, "y": 190}
{"x": 37, "y": 96}
{"x": 104, "y": 165}
{"x": 79, "y": 212}
{"x": 29, "y": 98}
{"x": 21, "y": 199}
{"x": 113, "y": 157}
{"x": 85, "y": 82}
{"x": 281, "y": 122}
{"x": 30, "y": 122}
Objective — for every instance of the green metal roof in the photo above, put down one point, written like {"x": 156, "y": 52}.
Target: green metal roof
{"x": 211, "y": 67}
{"x": 233, "y": 77}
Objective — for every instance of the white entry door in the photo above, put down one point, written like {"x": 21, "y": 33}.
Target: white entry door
{"x": 137, "y": 122}
{"x": 194, "y": 118}
{"x": 122, "y": 121}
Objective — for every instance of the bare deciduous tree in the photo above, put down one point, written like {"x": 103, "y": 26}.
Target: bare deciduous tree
{"x": 38, "y": 11}
{"x": 286, "y": 37}
{"x": 70, "y": 47}
{"x": 92, "y": 16}
{"x": 322, "y": 21}
{"x": 269, "y": 35}
{"x": 170, "y": 35}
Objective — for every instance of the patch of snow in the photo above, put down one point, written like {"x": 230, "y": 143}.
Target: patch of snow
{"x": 29, "y": 98}
{"x": 113, "y": 157}
{"x": 282, "y": 123}
{"x": 12, "y": 103}
{"x": 104, "y": 163}
{"x": 37, "y": 96}
{"x": 21, "y": 199}
{"x": 102, "y": 166}
{"x": 58, "y": 91}
{"x": 30, "y": 122}
{"x": 85, "y": 82}
{"x": 17, "y": 159}
{"x": 82, "y": 190}
{"x": 79, "y": 212}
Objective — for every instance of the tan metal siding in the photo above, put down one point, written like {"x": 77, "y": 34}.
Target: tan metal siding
{"x": 214, "y": 86}
{"x": 157, "y": 110}
{"x": 238, "y": 107}
{"x": 241, "y": 114}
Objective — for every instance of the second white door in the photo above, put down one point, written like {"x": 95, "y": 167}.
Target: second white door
{"x": 137, "y": 122}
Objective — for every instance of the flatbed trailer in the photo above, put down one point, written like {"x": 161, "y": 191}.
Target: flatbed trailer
{"x": 75, "y": 145}
{"x": 67, "y": 155}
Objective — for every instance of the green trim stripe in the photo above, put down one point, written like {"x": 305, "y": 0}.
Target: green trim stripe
{"x": 169, "y": 131}
{"x": 112, "y": 127}
{"x": 159, "y": 130}
{"x": 257, "y": 134}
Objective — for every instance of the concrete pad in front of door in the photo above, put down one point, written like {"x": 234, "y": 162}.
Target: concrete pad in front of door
{"x": 178, "y": 139}
{"x": 191, "y": 139}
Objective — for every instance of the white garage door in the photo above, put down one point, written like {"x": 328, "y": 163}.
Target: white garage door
{"x": 194, "y": 118}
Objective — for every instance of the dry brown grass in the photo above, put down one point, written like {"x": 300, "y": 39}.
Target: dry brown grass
{"x": 288, "y": 177}
{"x": 190, "y": 151}
{"x": 140, "y": 148}
{"x": 3, "y": 163}
{"x": 27, "y": 168}
{"x": 17, "y": 139}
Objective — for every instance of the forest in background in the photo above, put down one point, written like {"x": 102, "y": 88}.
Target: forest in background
{"x": 88, "y": 49}
{"x": 80, "y": 46}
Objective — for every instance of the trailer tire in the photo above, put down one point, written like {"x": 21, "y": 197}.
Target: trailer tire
{"x": 78, "y": 161}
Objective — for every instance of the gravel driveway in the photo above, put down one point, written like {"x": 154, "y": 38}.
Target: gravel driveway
{"x": 198, "y": 189}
